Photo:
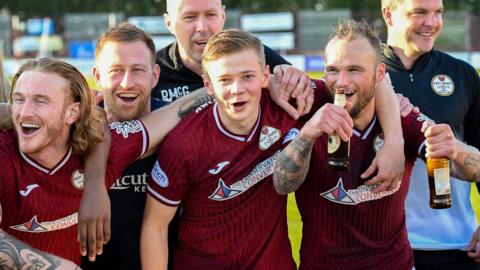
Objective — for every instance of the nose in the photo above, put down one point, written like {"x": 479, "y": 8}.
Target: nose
{"x": 237, "y": 88}
{"x": 432, "y": 19}
{"x": 26, "y": 108}
{"x": 201, "y": 24}
{"x": 343, "y": 79}
{"x": 127, "y": 80}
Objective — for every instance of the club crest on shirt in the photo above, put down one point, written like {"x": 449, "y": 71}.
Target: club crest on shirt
{"x": 442, "y": 85}
{"x": 126, "y": 127}
{"x": 268, "y": 136}
{"x": 378, "y": 142}
{"x": 263, "y": 169}
{"x": 35, "y": 226}
{"x": 361, "y": 194}
{"x": 78, "y": 178}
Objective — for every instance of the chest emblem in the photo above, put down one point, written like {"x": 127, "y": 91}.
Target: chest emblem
{"x": 78, "y": 179}
{"x": 361, "y": 194}
{"x": 219, "y": 167}
{"x": 442, "y": 85}
{"x": 25, "y": 192}
{"x": 268, "y": 136}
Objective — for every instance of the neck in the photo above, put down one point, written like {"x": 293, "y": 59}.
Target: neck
{"x": 364, "y": 117}
{"x": 52, "y": 154}
{"x": 242, "y": 127}
{"x": 190, "y": 64}
{"x": 407, "y": 57}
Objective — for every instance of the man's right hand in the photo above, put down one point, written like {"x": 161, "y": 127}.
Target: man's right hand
{"x": 327, "y": 120}
{"x": 94, "y": 221}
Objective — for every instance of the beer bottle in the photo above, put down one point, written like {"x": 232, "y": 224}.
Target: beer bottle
{"x": 338, "y": 150}
{"x": 439, "y": 183}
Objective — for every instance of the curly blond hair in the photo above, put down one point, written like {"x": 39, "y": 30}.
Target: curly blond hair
{"x": 88, "y": 129}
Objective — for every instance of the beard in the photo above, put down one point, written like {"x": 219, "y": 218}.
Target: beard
{"x": 118, "y": 112}
{"x": 363, "y": 100}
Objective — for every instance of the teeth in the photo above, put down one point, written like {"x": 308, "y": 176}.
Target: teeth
{"x": 26, "y": 125}
{"x": 425, "y": 34}
{"x": 128, "y": 95}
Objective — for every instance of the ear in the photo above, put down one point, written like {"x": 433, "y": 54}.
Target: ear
{"x": 72, "y": 113}
{"x": 380, "y": 72}
{"x": 168, "y": 22}
{"x": 156, "y": 74}
{"x": 387, "y": 16}
{"x": 224, "y": 14}
{"x": 208, "y": 85}
{"x": 96, "y": 75}
{"x": 266, "y": 76}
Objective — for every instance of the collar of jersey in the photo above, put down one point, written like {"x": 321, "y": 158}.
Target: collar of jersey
{"x": 48, "y": 171}
{"x": 365, "y": 134}
{"x": 241, "y": 138}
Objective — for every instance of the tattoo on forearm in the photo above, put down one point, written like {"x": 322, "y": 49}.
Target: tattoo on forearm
{"x": 474, "y": 161}
{"x": 292, "y": 165}
{"x": 202, "y": 99}
{"x": 16, "y": 255}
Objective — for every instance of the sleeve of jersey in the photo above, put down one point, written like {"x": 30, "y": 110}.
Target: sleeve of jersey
{"x": 129, "y": 142}
{"x": 170, "y": 175}
{"x": 413, "y": 135}
{"x": 472, "y": 121}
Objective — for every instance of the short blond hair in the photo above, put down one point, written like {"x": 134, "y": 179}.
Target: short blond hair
{"x": 88, "y": 128}
{"x": 391, "y": 4}
{"x": 231, "y": 41}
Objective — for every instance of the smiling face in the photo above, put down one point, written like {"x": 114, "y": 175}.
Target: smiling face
{"x": 193, "y": 22}
{"x": 126, "y": 74}
{"x": 357, "y": 73}
{"x": 42, "y": 113}
{"x": 236, "y": 80}
{"x": 414, "y": 25}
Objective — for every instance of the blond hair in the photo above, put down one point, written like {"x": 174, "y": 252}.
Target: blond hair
{"x": 231, "y": 41}
{"x": 88, "y": 128}
{"x": 391, "y": 4}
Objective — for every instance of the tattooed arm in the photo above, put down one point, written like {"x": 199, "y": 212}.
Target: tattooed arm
{"x": 467, "y": 164}
{"x": 161, "y": 121}
{"x": 14, "y": 254}
{"x": 292, "y": 165}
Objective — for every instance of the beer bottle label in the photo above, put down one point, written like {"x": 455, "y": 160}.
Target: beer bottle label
{"x": 340, "y": 100}
{"x": 333, "y": 143}
{"x": 442, "y": 181}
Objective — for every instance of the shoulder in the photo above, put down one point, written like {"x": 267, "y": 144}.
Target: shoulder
{"x": 452, "y": 62}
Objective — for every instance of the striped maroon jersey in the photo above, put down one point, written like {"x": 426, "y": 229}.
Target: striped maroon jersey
{"x": 345, "y": 225}
{"x": 232, "y": 217}
{"x": 40, "y": 204}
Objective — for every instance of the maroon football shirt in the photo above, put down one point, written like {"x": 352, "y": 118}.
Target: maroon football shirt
{"x": 40, "y": 204}
{"x": 345, "y": 225}
{"x": 232, "y": 217}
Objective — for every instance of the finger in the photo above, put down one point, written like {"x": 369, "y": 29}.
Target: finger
{"x": 369, "y": 171}
{"x": 473, "y": 244}
{"x": 379, "y": 185}
{"x": 296, "y": 84}
{"x": 286, "y": 85}
{"x": 416, "y": 109}
{"x": 99, "y": 239}
{"x": 82, "y": 238}
{"x": 92, "y": 241}
{"x": 309, "y": 103}
{"x": 425, "y": 127}
{"x": 288, "y": 108}
{"x": 301, "y": 103}
{"x": 106, "y": 230}
{"x": 406, "y": 110}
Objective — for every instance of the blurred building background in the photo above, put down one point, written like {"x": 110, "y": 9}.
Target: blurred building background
{"x": 32, "y": 28}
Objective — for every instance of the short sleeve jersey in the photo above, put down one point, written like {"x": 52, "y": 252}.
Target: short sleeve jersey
{"x": 345, "y": 225}
{"x": 232, "y": 217}
{"x": 40, "y": 204}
